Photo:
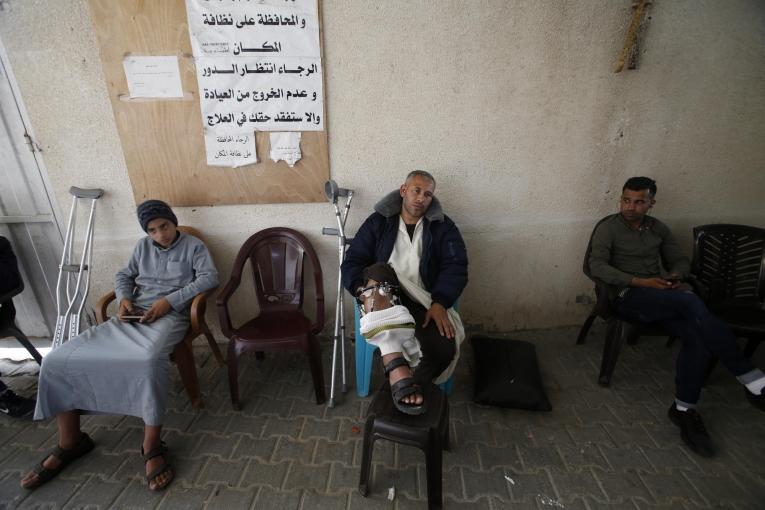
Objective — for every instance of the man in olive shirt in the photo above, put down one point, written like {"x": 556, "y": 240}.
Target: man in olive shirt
{"x": 631, "y": 252}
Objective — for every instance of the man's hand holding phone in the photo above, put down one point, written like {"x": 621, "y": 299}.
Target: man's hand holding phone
{"x": 674, "y": 279}
{"x": 671, "y": 281}
{"x": 128, "y": 313}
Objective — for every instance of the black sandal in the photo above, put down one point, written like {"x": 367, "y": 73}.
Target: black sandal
{"x": 65, "y": 457}
{"x": 159, "y": 451}
{"x": 403, "y": 388}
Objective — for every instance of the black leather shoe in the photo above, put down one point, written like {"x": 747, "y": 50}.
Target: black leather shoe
{"x": 757, "y": 401}
{"x": 692, "y": 430}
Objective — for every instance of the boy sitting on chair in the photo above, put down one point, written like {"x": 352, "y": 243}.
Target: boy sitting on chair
{"x": 121, "y": 366}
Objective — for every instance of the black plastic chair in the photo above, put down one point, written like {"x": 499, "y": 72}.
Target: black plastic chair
{"x": 8, "y": 325}
{"x": 729, "y": 265}
{"x": 429, "y": 432}
{"x": 618, "y": 331}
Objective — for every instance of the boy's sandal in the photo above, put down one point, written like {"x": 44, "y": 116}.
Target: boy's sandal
{"x": 65, "y": 457}
{"x": 403, "y": 388}
{"x": 166, "y": 467}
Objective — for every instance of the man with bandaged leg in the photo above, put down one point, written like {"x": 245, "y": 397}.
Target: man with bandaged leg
{"x": 410, "y": 231}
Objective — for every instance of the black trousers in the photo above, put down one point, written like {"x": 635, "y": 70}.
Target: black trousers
{"x": 437, "y": 351}
{"x": 703, "y": 335}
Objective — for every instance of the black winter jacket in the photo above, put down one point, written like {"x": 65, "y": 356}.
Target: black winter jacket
{"x": 443, "y": 267}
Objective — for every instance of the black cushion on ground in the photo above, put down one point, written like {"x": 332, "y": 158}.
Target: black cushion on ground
{"x": 507, "y": 374}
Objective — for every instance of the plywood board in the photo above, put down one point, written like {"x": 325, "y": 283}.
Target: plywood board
{"x": 163, "y": 140}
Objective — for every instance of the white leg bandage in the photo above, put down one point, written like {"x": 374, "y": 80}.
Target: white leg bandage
{"x": 392, "y": 330}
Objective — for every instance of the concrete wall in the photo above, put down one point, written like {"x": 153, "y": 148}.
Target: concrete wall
{"x": 513, "y": 105}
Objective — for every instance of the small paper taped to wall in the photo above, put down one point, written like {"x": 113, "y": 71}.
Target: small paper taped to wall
{"x": 230, "y": 149}
{"x": 286, "y": 146}
{"x": 153, "y": 76}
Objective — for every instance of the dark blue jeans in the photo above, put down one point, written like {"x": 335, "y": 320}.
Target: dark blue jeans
{"x": 704, "y": 336}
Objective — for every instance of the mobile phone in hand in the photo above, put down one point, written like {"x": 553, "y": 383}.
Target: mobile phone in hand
{"x": 135, "y": 315}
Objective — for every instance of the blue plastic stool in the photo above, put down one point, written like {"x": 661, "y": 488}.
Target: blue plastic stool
{"x": 364, "y": 354}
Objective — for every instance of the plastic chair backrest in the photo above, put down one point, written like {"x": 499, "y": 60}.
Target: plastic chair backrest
{"x": 277, "y": 256}
{"x": 588, "y": 251}
{"x": 729, "y": 260}
{"x": 603, "y": 306}
{"x": 194, "y": 232}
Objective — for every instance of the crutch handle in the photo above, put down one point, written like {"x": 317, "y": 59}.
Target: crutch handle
{"x": 86, "y": 193}
{"x": 330, "y": 231}
{"x": 332, "y": 191}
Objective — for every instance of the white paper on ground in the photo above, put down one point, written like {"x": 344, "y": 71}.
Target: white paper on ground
{"x": 232, "y": 150}
{"x": 153, "y": 76}
{"x": 286, "y": 146}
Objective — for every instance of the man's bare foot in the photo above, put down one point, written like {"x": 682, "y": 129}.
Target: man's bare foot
{"x": 156, "y": 464}
{"x": 56, "y": 460}
{"x": 32, "y": 480}
{"x": 402, "y": 372}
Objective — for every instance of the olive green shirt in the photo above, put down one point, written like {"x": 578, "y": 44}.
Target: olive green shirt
{"x": 620, "y": 252}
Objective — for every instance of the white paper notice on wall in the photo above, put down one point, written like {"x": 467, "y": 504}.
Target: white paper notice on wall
{"x": 231, "y": 150}
{"x": 286, "y": 146}
{"x": 258, "y": 64}
{"x": 153, "y": 76}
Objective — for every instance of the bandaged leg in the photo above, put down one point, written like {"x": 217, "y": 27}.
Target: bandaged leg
{"x": 390, "y": 327}
{"x": 392, "y": 330}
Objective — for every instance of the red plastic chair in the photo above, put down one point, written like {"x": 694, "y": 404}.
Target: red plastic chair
{"x": 277, "y": 256}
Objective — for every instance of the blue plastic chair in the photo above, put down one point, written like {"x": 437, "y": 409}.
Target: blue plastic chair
{"x": 364, "y": 354}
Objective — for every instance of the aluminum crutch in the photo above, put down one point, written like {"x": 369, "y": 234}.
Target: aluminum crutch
{"x": 332, "y": 191}
{"x": 75, "y": 277}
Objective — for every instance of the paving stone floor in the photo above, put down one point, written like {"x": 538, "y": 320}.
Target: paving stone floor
{"x": 599, "y": 447}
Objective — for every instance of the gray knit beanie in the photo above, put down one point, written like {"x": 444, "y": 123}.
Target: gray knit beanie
{"x": 153, "y": 209}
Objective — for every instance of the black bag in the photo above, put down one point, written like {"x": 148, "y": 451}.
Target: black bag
{"x": 507, "y": 374}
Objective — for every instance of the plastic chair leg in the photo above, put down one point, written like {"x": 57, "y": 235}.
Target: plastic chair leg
{"x": 366, "y": 458}
{"x": 233, "y": 374}
{"x": 317, "y": 373}
{"x": 446, "y": 443}
{"x": 614, "y": 339}
{"x": 433, "y": 470}
{"x": 184, "y": 360}
{"x": 23, "y": 340}
{"x": 214, "y": 346}
{"x": 585, "y": 329}
{"x": 364, "y": 355}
